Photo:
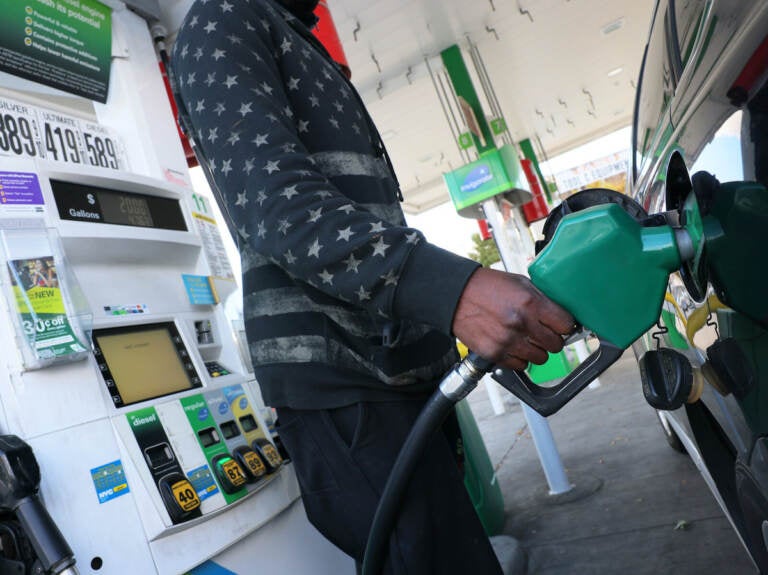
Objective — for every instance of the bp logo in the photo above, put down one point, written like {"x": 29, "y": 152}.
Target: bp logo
{"x": 202, "y": 415}
{"x": 223, "y": 408}
{"x": 478, "y": 176}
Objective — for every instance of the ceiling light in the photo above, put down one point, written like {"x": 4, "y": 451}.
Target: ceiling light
{"x": 388, "y": 135}
{"x": 613, "y": 26}
{"x": 615, "y": 72}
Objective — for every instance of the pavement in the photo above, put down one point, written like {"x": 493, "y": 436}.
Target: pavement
{"x": 638, "y": 507}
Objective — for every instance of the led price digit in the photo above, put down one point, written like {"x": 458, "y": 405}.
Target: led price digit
{"x": 16, "y": 135}
{"x": 67, "y": 144}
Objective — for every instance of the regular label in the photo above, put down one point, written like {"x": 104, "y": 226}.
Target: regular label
{"x": 32, "y": 132}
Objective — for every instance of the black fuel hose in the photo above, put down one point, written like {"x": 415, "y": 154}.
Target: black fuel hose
{"x": 430, "y": 419}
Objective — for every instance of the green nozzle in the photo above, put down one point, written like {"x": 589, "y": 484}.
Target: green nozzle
{"x": 608, "y": 271}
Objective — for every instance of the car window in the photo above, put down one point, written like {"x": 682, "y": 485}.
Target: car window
{"x": 723, "y": 156}
{"x": 654, "y": 90}
{"x": 688, "y": 14}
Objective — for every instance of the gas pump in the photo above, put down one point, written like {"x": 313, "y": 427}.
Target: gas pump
{"x": 134, "y": 435}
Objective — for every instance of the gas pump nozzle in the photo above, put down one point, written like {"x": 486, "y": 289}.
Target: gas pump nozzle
{"x": 19, "y": 484}
{"x": 609, "y": 265}
{"x": 611, "y": 272}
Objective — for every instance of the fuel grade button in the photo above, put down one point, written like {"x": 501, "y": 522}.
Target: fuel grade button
{"x": 229, "y": 473}
{"x": 268, "y": 454}
{"x": 250, "y": 462}
{"x": 179, "y": 497}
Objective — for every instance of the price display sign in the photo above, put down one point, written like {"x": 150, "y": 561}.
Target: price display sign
{"x": 33, "y": 132}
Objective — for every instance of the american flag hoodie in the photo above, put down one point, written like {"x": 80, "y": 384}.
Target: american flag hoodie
{"x": 342, "y": 301}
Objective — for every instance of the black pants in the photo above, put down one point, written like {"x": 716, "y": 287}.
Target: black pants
{"x": 343, "y": 457}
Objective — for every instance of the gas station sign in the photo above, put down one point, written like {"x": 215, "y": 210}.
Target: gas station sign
{"x": 496, "y": 172}
{"x": 65, "y": 44}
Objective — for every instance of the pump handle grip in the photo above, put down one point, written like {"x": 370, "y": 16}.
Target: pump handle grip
{"x": 548, "y": 400}
{"x": 49, "y": 544}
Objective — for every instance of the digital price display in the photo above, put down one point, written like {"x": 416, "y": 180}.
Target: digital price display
{"x": 82, "y": 203}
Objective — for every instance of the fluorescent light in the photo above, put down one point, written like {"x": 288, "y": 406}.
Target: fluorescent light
{"x": 615, "y": 72}
{"x": 613, "y": 26}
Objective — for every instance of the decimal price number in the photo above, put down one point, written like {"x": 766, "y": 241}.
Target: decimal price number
{"x": 61, "y": 142}
{"x": 100, "y": 150}
{"x": 136, "y": 211}
{"x": 16, "y": 135}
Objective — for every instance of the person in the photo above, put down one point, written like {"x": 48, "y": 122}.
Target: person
{"x": 42, "y": 274}
{"x": 351, "y": 316}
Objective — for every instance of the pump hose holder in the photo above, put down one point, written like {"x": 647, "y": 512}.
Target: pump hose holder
{"x": 547, "y": 400}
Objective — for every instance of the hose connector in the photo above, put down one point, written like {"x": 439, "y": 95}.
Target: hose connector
{"x": 464, "y": 377}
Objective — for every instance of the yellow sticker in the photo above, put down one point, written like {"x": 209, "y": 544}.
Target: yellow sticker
{"x": 185, "y": 495}
{"x": 272, "y": 455}
{"x": 234, "y": 472}
{"x": 254, "y": 463}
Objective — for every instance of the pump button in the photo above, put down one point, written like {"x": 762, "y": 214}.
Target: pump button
{"x": 268, "y": 454}
{"x": 179, "y": 497}
{"x": 250, "y": 462}
{"x": 229, "y": 473}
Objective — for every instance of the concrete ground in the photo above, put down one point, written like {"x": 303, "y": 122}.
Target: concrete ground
{"x": 645, "y": 509}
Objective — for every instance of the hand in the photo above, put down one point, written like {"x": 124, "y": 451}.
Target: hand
{"x": 505, "y": 319}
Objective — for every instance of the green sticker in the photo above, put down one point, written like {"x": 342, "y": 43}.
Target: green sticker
{"x": 466, "y": 141}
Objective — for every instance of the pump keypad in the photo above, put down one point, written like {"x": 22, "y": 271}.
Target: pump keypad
{"x": 215, "y": 369}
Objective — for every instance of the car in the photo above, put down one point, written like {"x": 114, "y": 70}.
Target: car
{"x": 701, "y": 117}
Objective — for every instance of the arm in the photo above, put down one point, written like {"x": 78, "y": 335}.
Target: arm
{"x": 282, "y": 204}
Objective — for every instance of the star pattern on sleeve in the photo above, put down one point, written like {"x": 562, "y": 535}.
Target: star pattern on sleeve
{"x": 380, "y": 248}
{"x": 345, "y": 234}
{"x": 314, "y": 249}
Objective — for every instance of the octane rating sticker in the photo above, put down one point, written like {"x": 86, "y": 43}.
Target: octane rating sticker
{"x": 33, "y": 132}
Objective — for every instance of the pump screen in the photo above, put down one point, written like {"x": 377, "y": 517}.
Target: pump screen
{"x": 143, "y": 362}
{"x": 208, "y": 436}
